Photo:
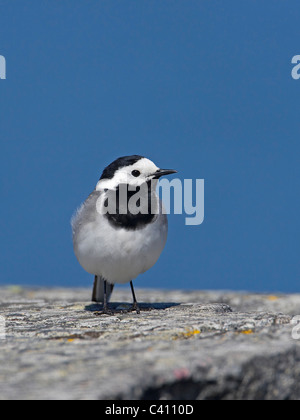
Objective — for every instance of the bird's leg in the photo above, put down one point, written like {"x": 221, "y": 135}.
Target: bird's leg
{"x": 135, "y": 306}
{"x": 106, "y": 310}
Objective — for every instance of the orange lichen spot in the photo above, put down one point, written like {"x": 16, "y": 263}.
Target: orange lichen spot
{"x": 247, "y": 332}
{"x": 191, "y": 333}
{"x": 272, "y": 298}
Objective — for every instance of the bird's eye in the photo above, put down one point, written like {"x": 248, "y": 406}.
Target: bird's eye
{"x": 136, "y": 173}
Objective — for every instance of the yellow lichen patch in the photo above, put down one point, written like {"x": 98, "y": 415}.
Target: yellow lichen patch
{"x": 187, "y": 334}
{"x": 15, "y": 289}
{"x": 247, "y": 332}
{"x": 71, "y": 340}
{"x": 272, "y": 298}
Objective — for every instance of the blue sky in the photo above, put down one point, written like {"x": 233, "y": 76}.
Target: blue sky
{"x": 204, "y": 87}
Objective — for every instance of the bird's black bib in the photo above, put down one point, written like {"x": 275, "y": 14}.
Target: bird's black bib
{"x": 120, "y": 215}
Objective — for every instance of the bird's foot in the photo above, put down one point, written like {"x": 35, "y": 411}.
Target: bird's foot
{"x": 135, "y": 307}
{"x": 105, "y": 311}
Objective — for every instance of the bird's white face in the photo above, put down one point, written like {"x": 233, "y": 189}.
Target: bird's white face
{"x": 134, "y": 175}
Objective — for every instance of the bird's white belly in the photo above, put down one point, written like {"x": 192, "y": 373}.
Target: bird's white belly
{"x": 120, "y": 255}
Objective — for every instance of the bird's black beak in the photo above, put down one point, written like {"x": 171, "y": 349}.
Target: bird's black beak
{"x": 163, "y": 172}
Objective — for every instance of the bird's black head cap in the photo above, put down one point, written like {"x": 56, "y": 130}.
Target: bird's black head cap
{"x": 122, "y": 162}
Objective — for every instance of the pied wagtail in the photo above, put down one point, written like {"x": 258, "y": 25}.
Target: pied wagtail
{"x": 118, "y": 246}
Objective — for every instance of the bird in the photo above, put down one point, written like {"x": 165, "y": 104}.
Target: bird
{"x": 117, "y": 246}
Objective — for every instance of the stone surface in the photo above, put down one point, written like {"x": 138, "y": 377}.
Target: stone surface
{"x": 183, "y": 345}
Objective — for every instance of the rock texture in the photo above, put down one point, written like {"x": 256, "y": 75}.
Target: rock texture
{"x": 183, "y": 345}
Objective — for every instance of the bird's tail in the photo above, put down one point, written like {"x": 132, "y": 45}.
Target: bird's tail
{"x": 98, "y": 290}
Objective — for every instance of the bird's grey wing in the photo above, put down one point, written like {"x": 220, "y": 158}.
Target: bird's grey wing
{"x": 87, "y": 213}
